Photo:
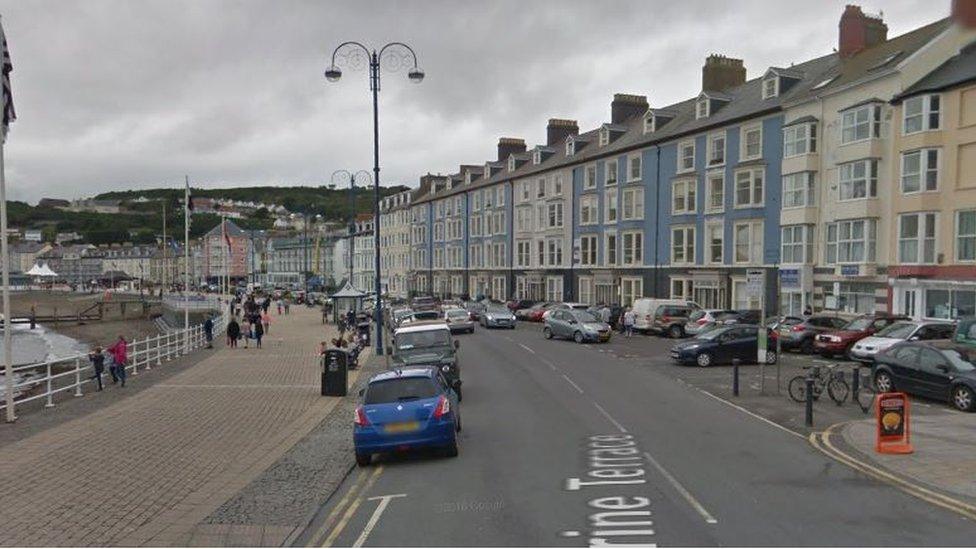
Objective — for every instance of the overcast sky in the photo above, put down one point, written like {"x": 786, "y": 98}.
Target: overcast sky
{"x": 125, "y": 94}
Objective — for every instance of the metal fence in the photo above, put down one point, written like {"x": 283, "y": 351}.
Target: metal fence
{"x": 43, "y": 380}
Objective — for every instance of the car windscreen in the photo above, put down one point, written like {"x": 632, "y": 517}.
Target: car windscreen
{"x": 426, "y": 315}
{"x": 457, "y": 313}
{"x": 963, "y": 360}
{"x": 858, "y": 324}
{"x": 583, "y": 316}
{"x": 498, "y": 310}
{"x": 898, "y": 330}
{"x": 422, "y": 340}
{"x": 400, "y": 389}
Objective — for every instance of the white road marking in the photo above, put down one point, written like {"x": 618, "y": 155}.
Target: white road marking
{"x": 610, "y": 418}
{"x": 757, "y": 416}
{"x": 575, "y": 386}
{"x": 549, "y": 364}
{"x": 526, "y": 348}
{"x": 681, "y": 490}
{"x": 384, "y": 501}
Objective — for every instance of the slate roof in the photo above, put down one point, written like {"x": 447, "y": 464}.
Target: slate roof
{"x": 232, "y": 230}
{"x": 744, "y": 102}
{"x": 956, "y": 71}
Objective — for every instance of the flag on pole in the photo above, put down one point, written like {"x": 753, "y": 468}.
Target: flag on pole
{"x": 9, "y": 115}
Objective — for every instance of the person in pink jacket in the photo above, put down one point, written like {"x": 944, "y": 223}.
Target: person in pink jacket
{"x": 120, "y": 358}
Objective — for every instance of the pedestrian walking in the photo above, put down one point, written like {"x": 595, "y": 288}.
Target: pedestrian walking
{"x": 266, "y": 304}
{"x": 629, "y": 322}
{"x": 266, "y": 322}
{"x": 258, "y": 329}
{"x": 208, "y": 331}
{"x": 288, "y": 306}
{"x": 120, "y": 358}
{"x": 280, "y": 305}
{"x": 605, "y": 314}
{"x": 233, "y": 332}
{"x": 98, "y": 365}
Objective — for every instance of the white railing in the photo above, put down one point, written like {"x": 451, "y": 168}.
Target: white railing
{"x": 72, "y": 373}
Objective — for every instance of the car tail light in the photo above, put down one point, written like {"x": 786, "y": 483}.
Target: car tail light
{"x": 702, "y": 321}
{"x": 665, "y": 319}
{"x": 361, "y": 419}
{"x": 797, "y": 328}
{"x": 443, "y": 407}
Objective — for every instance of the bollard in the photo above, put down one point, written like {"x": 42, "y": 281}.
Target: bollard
{"x": 809, "y": 403}
{"x": 735, "y": 377}
{"x": 856, "y": 381}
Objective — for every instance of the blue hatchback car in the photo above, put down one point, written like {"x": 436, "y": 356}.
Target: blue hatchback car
{"x": 406, "y": 409}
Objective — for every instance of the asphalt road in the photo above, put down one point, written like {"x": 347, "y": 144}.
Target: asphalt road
{"x": 565, "y": 445}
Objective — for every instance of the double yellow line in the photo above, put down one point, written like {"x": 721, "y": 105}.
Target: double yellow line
{"x": 342, "y": 513}
{"x": 821, "y": 441}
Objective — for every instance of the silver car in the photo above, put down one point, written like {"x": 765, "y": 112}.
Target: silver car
{"x": 459, "y": 320}
{"x": 865, "y": 349}
{"x": 702, "y": 319}
{"x": 498, "y": 316}
{"x": 580, "y": 326}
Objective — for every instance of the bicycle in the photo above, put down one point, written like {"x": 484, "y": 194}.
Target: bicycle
{"x": 823, "y": 378}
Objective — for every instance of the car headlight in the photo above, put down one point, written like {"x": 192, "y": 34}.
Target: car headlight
{"x": 446, "y": 368}
{"x": 833, "y": 339}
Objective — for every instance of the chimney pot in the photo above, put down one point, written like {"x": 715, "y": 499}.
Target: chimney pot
{"x": 558, "y": 129}
{"x": 859, "y": 31}
{"x": 626, "y": 106}
{"x": 721, "y": 73}
{"x": 508, "y": 146}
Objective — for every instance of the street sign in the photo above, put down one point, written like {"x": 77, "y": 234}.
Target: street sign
{"x": 755, "y": 282}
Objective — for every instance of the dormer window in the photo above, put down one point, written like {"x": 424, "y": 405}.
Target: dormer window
{"x": 570, "y": 146}
{"x": 770, "y": 87}
{"x": 536, "y": 156}
{"x": 604, "y": 137}
{"x": 649, "y": 126}
{"x": 701, "y": 108}
{"x": 511, "y": 163}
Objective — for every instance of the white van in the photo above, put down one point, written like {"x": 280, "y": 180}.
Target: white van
{"x": 645, "y": 307}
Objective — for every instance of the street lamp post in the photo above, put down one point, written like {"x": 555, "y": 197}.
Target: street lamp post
{"x": 352, "y": 207}
{"x": 396, "y": 55}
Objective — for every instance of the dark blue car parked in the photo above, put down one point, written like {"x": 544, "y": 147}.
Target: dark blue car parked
{"x": 722, "y": 346}
{"x": 406, "y": 409}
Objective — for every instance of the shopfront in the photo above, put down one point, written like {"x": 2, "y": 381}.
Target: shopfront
{"x": 796, "y": 289}
{"x": 924, "y": 299}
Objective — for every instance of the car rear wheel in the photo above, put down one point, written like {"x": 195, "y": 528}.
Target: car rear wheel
{"x": 704, "y": 360}
{"x": 676, "y": 331}
{"x": 578, "y": 337}
{"x": 883, "y": 382}
{"x": 547, "y": 332}
{"x": 363, "y": 460}
{"x": 771, "y": 357}
{"x": 962, "y": 398}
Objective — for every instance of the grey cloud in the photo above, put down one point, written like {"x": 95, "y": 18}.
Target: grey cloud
{"x": 126, "y": 94}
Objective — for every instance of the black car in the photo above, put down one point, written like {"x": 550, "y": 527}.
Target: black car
{"x": 800, "y": 335}
{"x": 941, "y": 370}
{"x": 721, "y": 346}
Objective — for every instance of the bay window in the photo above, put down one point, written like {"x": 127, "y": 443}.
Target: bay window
{"x": 966, "y": 235}
{"x": 799, "y": 139}
{"x": 851, "y": 241}
{"x": 858, "y": 180}
{"x": 798, "y": 190}
{"x": 797, "y": 244}
{"x": 860, "y": 123}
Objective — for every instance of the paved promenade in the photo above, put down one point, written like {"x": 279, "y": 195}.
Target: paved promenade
{"x": 146, "y": 470}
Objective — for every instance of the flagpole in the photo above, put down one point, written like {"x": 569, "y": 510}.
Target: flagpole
{"x": 186, "y": 267}
{"x": 8, "y": 361}
{"x": 165, "y": 249}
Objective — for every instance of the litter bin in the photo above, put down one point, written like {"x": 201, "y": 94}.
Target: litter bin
{"x": 334, "y": 371}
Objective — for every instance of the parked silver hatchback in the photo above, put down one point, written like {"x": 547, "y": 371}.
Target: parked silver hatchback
{"x": 580, "y": 326}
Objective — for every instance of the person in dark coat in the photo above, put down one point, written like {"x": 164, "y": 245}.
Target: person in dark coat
{"x": 258, "y": 330}
{"x": 233, "y": 332}
{"x": 98, "y": 365}
{"x": 208, "y": 331}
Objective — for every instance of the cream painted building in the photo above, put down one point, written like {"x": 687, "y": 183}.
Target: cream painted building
{"x": 842, "y": 163}
{"x": 395, "y": 243}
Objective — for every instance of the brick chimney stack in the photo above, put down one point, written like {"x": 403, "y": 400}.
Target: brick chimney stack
{"x": 721, "y": 73}
{"x": 626, "y": 106}
{"x": 859, "y": 31}
{"x": 964, "y": 13}
{"x": 558, "y": 129}
{"x": 508, "y": 146}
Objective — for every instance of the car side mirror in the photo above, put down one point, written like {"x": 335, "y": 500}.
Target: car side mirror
{"x": 943, "y": 368}
{"x": 457, "y": 344}
{"x": 456, "y": 385}
{"x": 914, "y": 338}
